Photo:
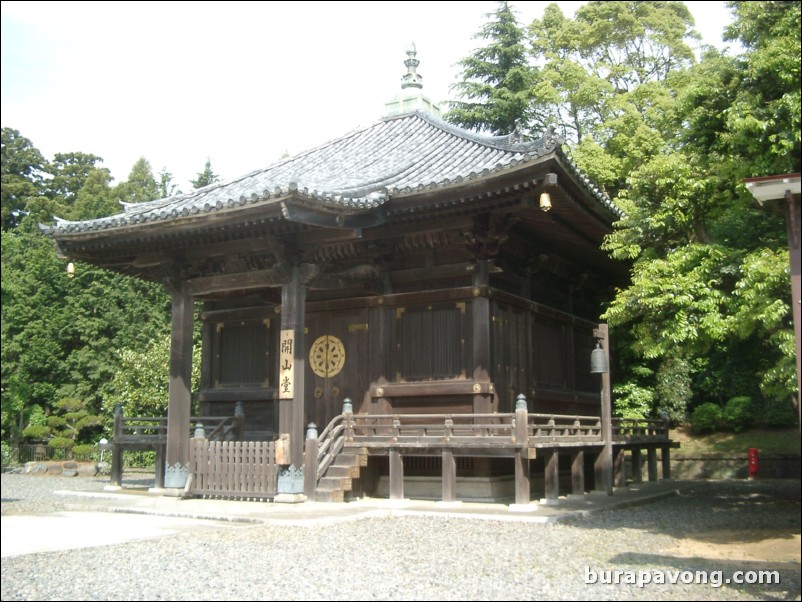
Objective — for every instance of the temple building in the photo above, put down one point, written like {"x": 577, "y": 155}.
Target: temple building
{"x": 415, "y": 269}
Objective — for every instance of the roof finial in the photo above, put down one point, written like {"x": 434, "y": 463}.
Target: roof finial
{"x": 411, "y": 79}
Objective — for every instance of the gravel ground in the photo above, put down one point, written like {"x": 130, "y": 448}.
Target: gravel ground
{"x": 419, "y": 558}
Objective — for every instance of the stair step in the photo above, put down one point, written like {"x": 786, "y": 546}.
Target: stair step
{"x": 329, "y": 496}
{"x": 349, "y": 472}
{"x": 350, "y": 458}
{"x": 329, "y": 483}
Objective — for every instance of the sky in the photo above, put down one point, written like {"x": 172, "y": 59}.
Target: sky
{"x": 238, "y": 83}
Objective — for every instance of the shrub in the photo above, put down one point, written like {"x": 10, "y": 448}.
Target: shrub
{"x": 84, "y": 452}
{"x": 739, "y": 413}
{"x": 706, "y": 418}
{"x": 778, "y": 413}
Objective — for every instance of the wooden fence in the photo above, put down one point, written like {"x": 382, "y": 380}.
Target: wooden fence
{"x": 244, "y": 469}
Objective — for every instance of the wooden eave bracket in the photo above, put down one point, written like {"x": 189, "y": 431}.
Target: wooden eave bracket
{"x": 330, "y": 218}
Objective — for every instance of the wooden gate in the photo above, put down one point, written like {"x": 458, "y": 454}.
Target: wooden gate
{"x": 243, "y": 469}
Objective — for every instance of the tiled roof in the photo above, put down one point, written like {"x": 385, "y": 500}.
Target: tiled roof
{"x": 360, "y": 171}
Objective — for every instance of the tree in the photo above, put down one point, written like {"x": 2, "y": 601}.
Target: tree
{"x": 709, "y": 283}
{"x": 496, "y": 79}
{"x": 206, "y": 177}
{"x": 67, "y": 424}
{"x": 22, "y": 172}
{"x": 69, "y": 172}
{"x": 95, "y": 198}
{"x": 141, "y": 186}
{"x": 166, "y": 186}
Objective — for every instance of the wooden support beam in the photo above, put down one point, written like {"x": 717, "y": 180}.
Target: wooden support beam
{"x": 396, "y": 475}
{"x": 482, "y": 403}
{"x": 179, "y": 396}
{"x": 619, "y": 466}
{"x": 652, "y": 463}
{"x": 665, "y": 453}
{"x": 552, "y": 476}
{"x": 449, "y": 476}
{"x": 291, "y": 411}
{"x": 522, "y": 486}
{"x": 637, "y": 465}
{"x": 604, "y": 461}
{"x": 220, "y": 283}
{"x": 578, "y": 472}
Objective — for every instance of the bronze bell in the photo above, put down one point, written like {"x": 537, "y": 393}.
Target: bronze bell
{"x": 598, "y": 360}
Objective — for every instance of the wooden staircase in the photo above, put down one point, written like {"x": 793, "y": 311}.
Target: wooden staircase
{"x": 338, "y": 482}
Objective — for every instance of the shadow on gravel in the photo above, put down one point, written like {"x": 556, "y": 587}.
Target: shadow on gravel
{"x": 768, "y": 580}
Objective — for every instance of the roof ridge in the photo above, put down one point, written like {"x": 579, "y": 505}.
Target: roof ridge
{"x": 508, "y": 142}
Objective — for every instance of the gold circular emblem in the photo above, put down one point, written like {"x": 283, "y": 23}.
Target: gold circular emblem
{"x": 327, "y": 356}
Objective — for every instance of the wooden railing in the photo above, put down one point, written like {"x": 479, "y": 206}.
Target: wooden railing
{"x": 639, "y": 429}
{"x": 245, "y": 469}
{"x": 149, "y": 433}
{"x": 512, "y": 434}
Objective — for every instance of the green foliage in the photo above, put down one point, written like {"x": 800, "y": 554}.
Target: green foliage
{"x": 96, "y": 197}
{"x": 140, "y": 383}
{"x": 166, "y": 186}
{"x": 21, "y": 169}
{"x": 36, "y": 432}
{"x": 673, "y": 388}
{"x": 496, "y": 79}
{"x": 739, "y": 413}
{"x": 633, "y": 401}
{"x": 84, "y": 452}
{"x": 778, "y": 413}
{"x": 706, "y": 418}
{"x": 206, "y": 177}
{"x": 6, "y": 453}
{"x": 141, "y": 186}
{"x": 61, "y": 442}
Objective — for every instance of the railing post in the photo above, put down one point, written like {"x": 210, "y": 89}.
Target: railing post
{"x": 552, "y": 477}
{"x": 449, "y": 476}
{"x": 619, "y": 467}
{"x": 665, "y": 454}
{"x": 396, "y": 475}
{"x": 348, "y": 417}
{"x": 578, "y": 473}
{"x": 116, "y": 449}
{"x": 311, "y": 461}
{"x": 521, "y": 421}
{"x": 637, "y": 465}
{"x": 239, "y": 414}
{"x": 651, "y": 460}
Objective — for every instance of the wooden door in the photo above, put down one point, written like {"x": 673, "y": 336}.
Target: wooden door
{"x": 337, "y": 363}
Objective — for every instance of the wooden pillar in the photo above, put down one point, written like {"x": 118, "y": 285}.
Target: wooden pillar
{"x": 666, "y": 460}
{"x": 578, "y": 472}
{"x": 449, "y": 476}
{"x": 652, "y": 463}
{"x": 604, "y": 461}
{"x": 179, "y": 397}
{"x": 619, "y": 467}
{"x": 482, "y": 403}
{"x": 116, "y": 447}
{"x": 637, "y": 465}
{"x": 291, "y": 410}
{"x": 522, "y": 494}
{"x": 396, "y": 475}
{"x": 552, "y": 475}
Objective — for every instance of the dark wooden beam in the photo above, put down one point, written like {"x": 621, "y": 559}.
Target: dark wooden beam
{"x": 332, "y": 219}
{"x": 219, "y": 283}
{"x": 179, "y": 396}
{"x": 291, "y": 411}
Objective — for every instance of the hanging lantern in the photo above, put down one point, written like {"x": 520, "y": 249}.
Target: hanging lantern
{"x": 71, "y": 270}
